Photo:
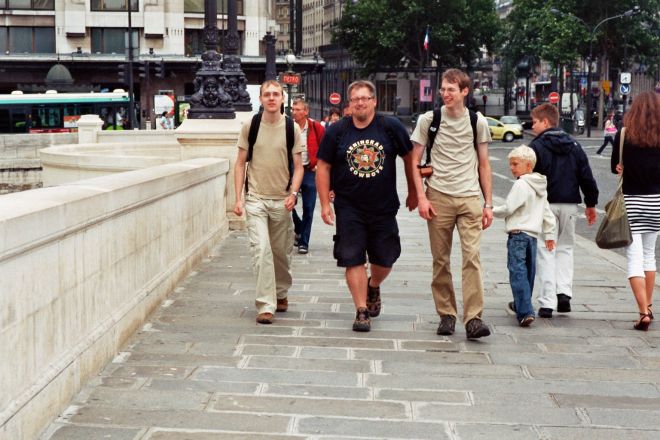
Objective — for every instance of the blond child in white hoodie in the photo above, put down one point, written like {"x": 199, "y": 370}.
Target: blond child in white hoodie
{"x": 527, "y": 217}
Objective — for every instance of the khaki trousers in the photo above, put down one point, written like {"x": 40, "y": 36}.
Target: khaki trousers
{"x": 465, "y": 213}
{"x": 270, "y": 230}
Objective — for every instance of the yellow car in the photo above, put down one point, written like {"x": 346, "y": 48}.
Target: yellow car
{"x": 505, "y": 132}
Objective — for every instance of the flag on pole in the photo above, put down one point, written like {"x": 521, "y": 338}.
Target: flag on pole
{"x": 426, "y": 39}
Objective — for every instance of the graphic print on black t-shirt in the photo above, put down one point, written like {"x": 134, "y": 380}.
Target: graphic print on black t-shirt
{"x": 366, "y": 158}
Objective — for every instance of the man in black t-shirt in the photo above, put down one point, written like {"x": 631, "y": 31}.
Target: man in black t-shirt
{"x": 361, "y": 152}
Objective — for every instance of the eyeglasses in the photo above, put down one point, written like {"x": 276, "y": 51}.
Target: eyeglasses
{"x": 357, "y": 99}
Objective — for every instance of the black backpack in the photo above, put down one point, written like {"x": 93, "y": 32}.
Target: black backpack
{"x": 435, "y": 125}
{"x": 252, "y": 138}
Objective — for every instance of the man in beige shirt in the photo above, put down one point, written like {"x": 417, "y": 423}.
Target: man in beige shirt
{"x": 270, "y": 196}
{"x": 461, "y": 174}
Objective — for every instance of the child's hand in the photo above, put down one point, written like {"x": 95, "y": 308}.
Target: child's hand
{"x": 550, "y": 245}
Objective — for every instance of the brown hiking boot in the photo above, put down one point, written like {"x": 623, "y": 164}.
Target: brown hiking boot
{"x": 362, "y": 322}
{"x": 373, "y": 300}
{"x": 265, "y": 318}
{"x": 476, "y": 328}
{"x": 447, "y": 325}
{"x": 282, "y": 305}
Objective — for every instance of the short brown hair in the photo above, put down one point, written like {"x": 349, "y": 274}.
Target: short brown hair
{"x": 546, "y": 111}
{"x": 270, "y": 82}
{"x": 457, "y": 76}
{"x": 360, "y": 84}
{"x": 642, "y": 122}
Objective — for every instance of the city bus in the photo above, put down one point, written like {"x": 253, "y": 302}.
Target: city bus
{"x": 53, "y": 112}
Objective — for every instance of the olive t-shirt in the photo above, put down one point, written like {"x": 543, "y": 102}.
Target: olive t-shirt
{"x": 453, "y": 156}
{"x": 268, "y": 171}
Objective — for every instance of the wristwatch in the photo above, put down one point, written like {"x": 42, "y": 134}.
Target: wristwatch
{"x": 294, "y": 194}
{"x": 486, "y": 205}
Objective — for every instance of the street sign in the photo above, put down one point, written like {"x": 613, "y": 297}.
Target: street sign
{"x": 625, "y": 78}
{"x": 334, "y": 98}
{"x": 290, "y": 78}
{"x": 624, "y": 89}
{"x": 553, "y": 97}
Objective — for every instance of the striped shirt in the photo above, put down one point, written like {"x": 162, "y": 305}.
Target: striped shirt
{"x": 643, "y": 212}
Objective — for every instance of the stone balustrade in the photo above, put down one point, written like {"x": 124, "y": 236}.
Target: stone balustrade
{"x": 82, "y": 264}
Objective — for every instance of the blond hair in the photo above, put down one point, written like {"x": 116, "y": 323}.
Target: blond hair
{"x": 523, "y": 152}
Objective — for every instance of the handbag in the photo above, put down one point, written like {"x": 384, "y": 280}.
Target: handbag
{"x": 614, "y": 230}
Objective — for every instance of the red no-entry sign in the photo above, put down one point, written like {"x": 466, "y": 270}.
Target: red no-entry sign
{"x": 553, "y": 97}
{"x": 334, "y": 98}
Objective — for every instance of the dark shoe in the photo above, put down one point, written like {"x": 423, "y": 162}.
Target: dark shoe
{"x": 544, "y": 312}
{"x": 373, "y": 300}
{"x": 447, "y": 325}
{"x": 526, "y": 321}
{"x": 265, "y": 318}
{"x": 302, "y": 250}
{"x": 362, "y": 322}
{"x": 475, "y": 328}
{"x": 650, "y": 311}
{"x": 643, "y": 323}
{"x": 512, "y": 306}
{"x": 563, "y": 303}
{"x": 296, "y": 239}
{"x": 282, "y": 305}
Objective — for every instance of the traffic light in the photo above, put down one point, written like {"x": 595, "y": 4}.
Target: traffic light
{"x": 122, "y": 74}
{"x": 143, "y": 69}
{"x": 160, "y": 69}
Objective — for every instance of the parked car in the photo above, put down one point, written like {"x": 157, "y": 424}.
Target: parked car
{"x": 512, "y": 120}
{"x": 505, "y": 132}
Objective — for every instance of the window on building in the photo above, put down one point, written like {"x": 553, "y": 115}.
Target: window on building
{"x": 113, "y": 5}
{"x": 111, "y": 40}
{"x": 20, "y": 39}
{"x": 197, "y": 6}
{"x": 28, "y": 4}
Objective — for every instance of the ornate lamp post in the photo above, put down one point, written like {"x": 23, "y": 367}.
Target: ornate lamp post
{"x": 271, "y": 71}
{"x": 236, "y": 81}
{"x": 210, "y": 100}
{"x": 290, "y": 58}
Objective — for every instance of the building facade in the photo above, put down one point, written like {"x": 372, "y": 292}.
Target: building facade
{"x": 89, "y": 38}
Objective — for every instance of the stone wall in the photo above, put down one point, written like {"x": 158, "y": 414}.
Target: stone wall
{"x": 81, "y": 267}
{"x": 20, "y": 167}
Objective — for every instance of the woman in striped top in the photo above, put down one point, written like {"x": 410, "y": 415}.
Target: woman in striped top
{"x": 641, "y": 189}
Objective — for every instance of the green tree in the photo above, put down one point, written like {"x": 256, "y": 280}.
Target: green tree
{"x": 389, "y": 34}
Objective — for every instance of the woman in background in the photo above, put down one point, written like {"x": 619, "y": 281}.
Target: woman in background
{"x": 641, "y": 190}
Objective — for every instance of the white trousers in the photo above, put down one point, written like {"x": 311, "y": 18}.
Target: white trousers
{"x": 641, "y": 254}
{"x": 554, "y": 269}
{"x": 270, "y": 230}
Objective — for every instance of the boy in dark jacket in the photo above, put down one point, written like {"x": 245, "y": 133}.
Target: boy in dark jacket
{"x": 563, "y": 161}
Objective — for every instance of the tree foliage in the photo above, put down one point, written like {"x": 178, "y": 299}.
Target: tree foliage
{"x": 389, "y": 34}
{"x": 563, "y": 36}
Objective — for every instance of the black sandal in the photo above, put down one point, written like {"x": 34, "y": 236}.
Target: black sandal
{"x": 642, "y": 324}
{"x": 650, "y": 311}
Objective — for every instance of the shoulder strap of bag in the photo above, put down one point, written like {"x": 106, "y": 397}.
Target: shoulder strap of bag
{"x": 252, "y": 134}
{"x": 433, "y": 131}
{"x": 290, "y": 134}
{"x": 621, "y": 138}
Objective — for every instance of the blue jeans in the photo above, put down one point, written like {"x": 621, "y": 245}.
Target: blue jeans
{"x": 521, "y": 262}
{"x": 304, "y": 227}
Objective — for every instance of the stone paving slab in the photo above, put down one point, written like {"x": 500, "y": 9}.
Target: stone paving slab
{"x": 202, "y": 369}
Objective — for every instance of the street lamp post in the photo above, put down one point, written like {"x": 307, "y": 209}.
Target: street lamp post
{"x": 628, "y": 13}
{"x": 290, "y": 58}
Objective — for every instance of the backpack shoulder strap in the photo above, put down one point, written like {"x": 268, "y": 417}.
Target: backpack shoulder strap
{"x": 433, "y": 131}
{"x": 344, "y": 125}
{"x": 290, "y": 135}
{"x": 252, "y": 135}
{"x": 473, "y": 122}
